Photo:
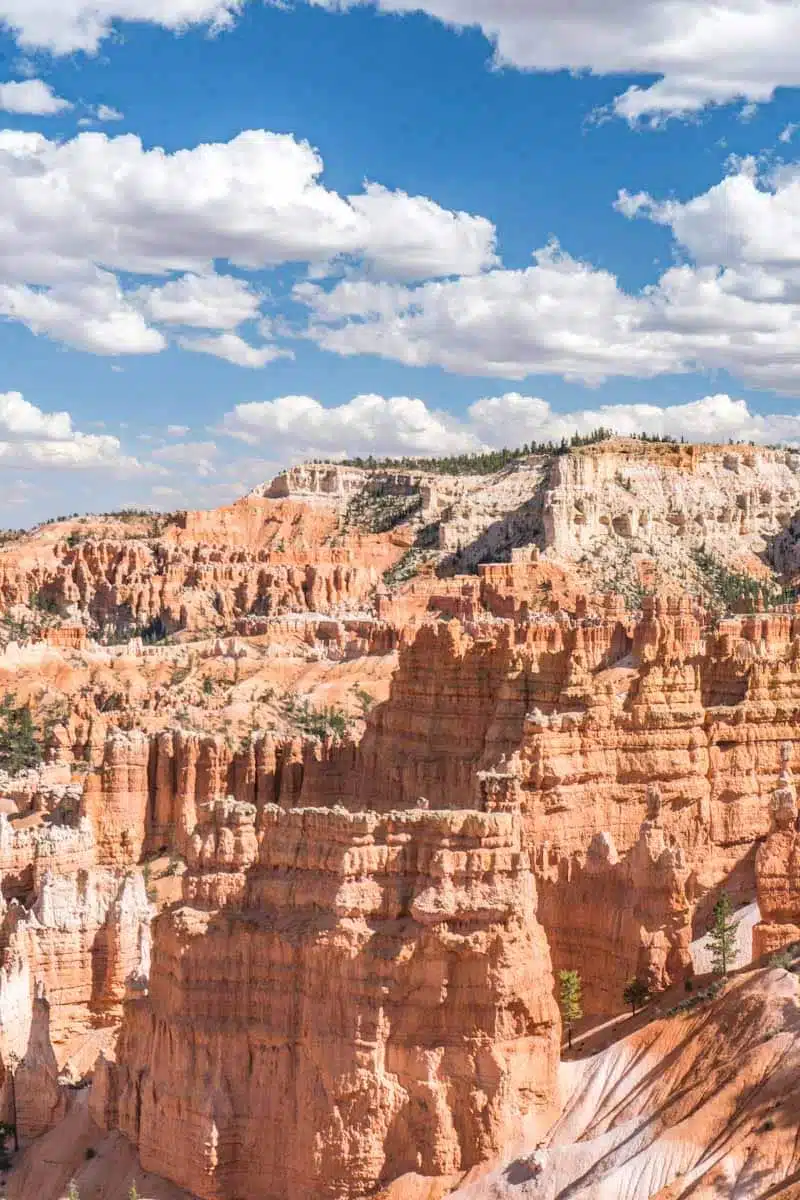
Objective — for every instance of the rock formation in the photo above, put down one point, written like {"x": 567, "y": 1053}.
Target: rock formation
{"x": 386, "y": 1006}
{"x": 384, "y": 749}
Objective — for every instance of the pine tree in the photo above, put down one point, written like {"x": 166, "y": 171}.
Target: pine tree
{"x": 19, "y": 744}
{"x": 636, "y": 994}
{"x": 569, "y": 999}
{"x": 722, "y": 936}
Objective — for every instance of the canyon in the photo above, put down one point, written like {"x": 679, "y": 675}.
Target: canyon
{"x": 309, "y": 801}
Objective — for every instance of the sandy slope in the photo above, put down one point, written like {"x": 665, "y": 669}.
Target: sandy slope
{"x": 700, "y": 1105}
{"x": 44, "y": 1170}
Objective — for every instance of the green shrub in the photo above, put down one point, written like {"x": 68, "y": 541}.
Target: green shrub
{"x": 316, "y": 722}
{"x": 782, "y": 958}
{"x": 20, "y": 748}
{"x": 729, "y": 589}
{"x": 636, "y": 994}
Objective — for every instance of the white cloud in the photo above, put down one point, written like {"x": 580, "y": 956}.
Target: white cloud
{"x": 200, "y": 301}
{"x": 558, "y": 316}
{"x": 63, "y": 26}
{"x": 513, "y": 419}
{"x": 75, "y": 213}
{"x": 296, "y": 427}
{"x": 255, "y": 201}
{"x": 788, "y": 132}
{"x": 744, "y": 219}
{"x": 93, "y": 315}
{"x": 31, "y": 438}
{"x": 105, "y": 112}
{"x": 299, "y": 426}
{"x": 198, "y": 455}
{"x": 735, "y": 306}
{"x": 234, "y": 349}
{"x": 33, "y": 97}
{"x": 705, "y": 53}
{"x": 413, "y": 238}
{"x": 177, "y": 430}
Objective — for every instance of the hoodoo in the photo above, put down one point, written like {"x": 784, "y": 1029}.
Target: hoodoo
{"x": 301, "y": 835}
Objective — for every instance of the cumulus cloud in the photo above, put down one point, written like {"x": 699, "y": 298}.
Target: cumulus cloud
{"x": 558, "y": 316}
{"x": 32, "y": 438}
{"x": 735, "y": 306}
{"x": 63, "y": 26}
{"x": 233, "y": 349}
{"x": 299, "y": 426}
{"x": 255, "y": 201}
{"x": 33, "y": 97}
{"x": 77, "y": 214}
{"x": 296, "y": 427}
{"x": 93, "y": 315}
{"x": 200, "y": 301}
{"x": 745, "y": 219}
{"x": 704, "y": 53}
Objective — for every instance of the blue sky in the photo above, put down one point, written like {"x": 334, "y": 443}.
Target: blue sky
{"x": 187, "y": 307}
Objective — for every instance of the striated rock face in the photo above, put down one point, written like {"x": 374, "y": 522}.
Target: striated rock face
{"x": 617, "y": 919}
{"x": 39, "y": 1100}
{"x": 573, "y": 720}
{"x": 361, "y": 995}
{"x": 778, "y": 869}
{"x": 85, "y": 941}
{"x": 117, "y": 797}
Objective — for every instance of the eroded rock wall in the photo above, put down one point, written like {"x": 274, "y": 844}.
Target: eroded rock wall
{"x": 361, "y": 995}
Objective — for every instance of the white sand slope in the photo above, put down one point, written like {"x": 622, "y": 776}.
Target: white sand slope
{"x": 703, "y": 1105}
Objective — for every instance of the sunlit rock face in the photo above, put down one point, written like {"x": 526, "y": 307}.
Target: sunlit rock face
{"x": 360, "y": 995}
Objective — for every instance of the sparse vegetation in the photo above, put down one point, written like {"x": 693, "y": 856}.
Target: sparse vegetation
{"x": 722, "y": 935}
{"x": 570, "y": 1000}
{"x": 378, "y": 511}
{"x": 180, "y": 674}
{"x": 20, "y": 746}
{"x": 705, "y": 996}
{"x": 406, "y": 567}
{"x": 365, "y": 700}
{"x": 316, "y": 722}
{"x": 730, "y": 591}
{"x": 484, "y": 463}
{"x": 636, "y": 994}
{"x": 786, "y": 957}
